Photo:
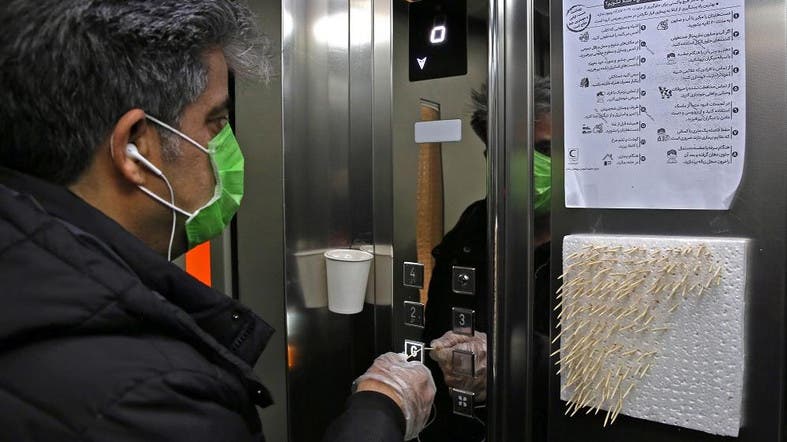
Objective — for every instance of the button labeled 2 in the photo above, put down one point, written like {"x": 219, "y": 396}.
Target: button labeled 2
{"x": 463, "y": 321}
{"x": 414, "y": 314}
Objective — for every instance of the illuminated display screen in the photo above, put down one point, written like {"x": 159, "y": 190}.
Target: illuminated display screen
{"x": 438, "y": 39}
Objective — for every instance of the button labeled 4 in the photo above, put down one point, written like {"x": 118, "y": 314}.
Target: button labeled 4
{"x": 413, "y": 275}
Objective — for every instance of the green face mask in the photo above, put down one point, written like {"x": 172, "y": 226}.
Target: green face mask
{"x": 211, "y": 219}
{"x": 542, "y": 179}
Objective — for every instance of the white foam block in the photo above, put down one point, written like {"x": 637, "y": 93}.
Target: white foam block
{"x": 696, "y": 378}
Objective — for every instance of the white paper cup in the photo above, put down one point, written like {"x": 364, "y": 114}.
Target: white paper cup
{"x": 348, "y": 273}
{"x": 311, "y": 276}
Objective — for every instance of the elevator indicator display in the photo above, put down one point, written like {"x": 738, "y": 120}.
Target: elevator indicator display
{"x": 438, "y": 39}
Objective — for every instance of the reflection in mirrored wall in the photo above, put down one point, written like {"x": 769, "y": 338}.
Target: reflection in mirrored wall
{"x": 440, "y": 206}
{"x": 441, "y": 212}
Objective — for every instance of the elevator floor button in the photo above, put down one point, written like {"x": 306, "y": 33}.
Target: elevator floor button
{"x": 414, "y": 314}
{"x": 413, "y": 275}
{"x": 463, "y": 280}
{"x": 463, "y": 321}
{"x": 414, "y": 350}
{"x": 464, "y": 402}
{"x": 464, "y": 362}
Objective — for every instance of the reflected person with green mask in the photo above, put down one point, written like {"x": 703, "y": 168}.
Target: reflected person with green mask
{"x": 466, "y": 245}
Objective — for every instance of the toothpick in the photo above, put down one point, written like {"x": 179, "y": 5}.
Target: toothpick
{"x": 606, "y": 419}
{"x": 617, "y": 411}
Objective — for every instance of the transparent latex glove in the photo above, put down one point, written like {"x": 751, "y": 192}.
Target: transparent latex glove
{"x": 443, "y": 354}
{"x": 409, "y": 384}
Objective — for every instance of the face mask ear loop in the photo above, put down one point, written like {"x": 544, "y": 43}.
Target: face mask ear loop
{"x": 174, "y": 217}
{"x": 181, "y": 134}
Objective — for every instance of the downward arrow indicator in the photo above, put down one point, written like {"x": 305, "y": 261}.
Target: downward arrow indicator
{"x": 421, "y": 62}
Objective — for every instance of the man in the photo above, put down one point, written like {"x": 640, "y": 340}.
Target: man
{"x": 466, "y": 245}
{"x": 116, "y": 155}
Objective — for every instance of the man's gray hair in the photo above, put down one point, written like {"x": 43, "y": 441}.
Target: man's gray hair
{"x": 542, "y": 107}
{"x": 72, "y": 68}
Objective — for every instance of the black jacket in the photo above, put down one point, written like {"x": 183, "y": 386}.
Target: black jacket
{"x": 102, "y": 339}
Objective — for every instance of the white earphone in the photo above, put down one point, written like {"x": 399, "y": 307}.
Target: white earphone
{"x": 131, "y": 150}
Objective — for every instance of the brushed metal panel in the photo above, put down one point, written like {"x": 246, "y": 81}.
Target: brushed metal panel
{"x": 510, "y": 218}
{"x": 328, "y": 178}
{"x": 259, "y": 227}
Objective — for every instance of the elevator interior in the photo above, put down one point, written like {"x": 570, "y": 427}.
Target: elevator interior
{"x": 333, "y": 162}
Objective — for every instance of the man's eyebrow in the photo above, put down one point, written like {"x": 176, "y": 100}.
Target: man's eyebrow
{"x": 220, "y": 108}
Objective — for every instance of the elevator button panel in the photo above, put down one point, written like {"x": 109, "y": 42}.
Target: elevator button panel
{"x": 463, "y": 321}
{"x": 464, "y": 402}
{"x": 463, "y": 280}
{"x": 413, "y": 275}
{"x": 464, "y": 362}
{"x": 414, "y": 351}
{"x": 414, "y": 314}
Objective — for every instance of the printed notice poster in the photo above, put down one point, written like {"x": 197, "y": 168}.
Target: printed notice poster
{"x": 655, "y": 103}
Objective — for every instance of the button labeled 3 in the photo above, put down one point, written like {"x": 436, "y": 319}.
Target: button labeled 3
{"x": 463, "y": 280}
{"x": 463, "y": 321}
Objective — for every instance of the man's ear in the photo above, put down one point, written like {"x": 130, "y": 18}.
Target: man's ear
{"x": 132, "y": 128}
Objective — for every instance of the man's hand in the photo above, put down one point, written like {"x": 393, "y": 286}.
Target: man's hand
{"x": 409, "y": 384}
